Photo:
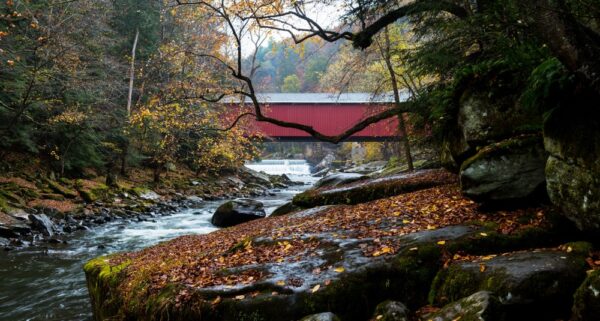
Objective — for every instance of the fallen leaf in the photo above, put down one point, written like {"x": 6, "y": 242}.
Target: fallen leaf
{"x": 316, "y": 288}
{"x": 441, "y": 242}
{"x": 339, "y": 269}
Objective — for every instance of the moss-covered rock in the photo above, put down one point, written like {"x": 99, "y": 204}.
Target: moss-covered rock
{"x": 586, "y": 305}
{"x": 541, "y": 281}
{"x": 102, "y": 277}
{"x": 480, "y": 306}
{"x": 373, "y": 189}
{"x": 572, "y": 137}
{"x": 509, "y": 170}
{"x": 92, "y": 191}
{"x": 391, "y": 311}
{"x": 56, "y": 187}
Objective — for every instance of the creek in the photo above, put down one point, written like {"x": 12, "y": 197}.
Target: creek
{"x": 47, "y": 282}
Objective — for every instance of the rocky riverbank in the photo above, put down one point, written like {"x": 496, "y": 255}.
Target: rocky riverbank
{"x": 428, "y": 253}
{"x": 40, "y": 209}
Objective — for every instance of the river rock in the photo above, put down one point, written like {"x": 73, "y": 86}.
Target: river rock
{"x": 325, "y": 163}
{"x": 149, "y": 195}
{"x": 536, "y": 284}
{"x": 586, "y": 304}
{"x": 481, "y": 306}
{"x": 284, "y": 209}
{"x": 338, "y": 179}
{"x": 391, "y": 311}
{"x": 367, "y": 168}
{"x": 42, "y": 223}
{"x": 325, "y": 316}
{"x": 509, "y": 170}
{"x": 572, "y": 137}
{"x": 11, "y": 227}
{"x": 238, "y": 211}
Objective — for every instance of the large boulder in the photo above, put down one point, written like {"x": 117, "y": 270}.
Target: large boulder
{"x": 536, "y": 284}
{"x": 237, "y": 212}
{"x": 481, "y": 306}
{"x": 572, "y": 138}
{"x": 483, "y": 117}
{"x": 454, "y": 150}
{"x": 512, "y": 169}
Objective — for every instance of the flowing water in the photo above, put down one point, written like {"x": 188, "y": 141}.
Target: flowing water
{"x": 47, "y": 283}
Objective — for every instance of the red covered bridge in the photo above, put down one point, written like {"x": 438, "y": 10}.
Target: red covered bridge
{"x": 330, "y": 114}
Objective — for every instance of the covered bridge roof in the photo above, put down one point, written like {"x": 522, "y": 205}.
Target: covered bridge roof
{"x": 324, "y": 98}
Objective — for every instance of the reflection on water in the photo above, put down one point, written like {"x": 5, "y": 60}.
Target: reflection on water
{"x": 47, "y": 283}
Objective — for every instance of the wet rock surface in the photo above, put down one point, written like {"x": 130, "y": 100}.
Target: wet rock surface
{"x": 540, "y": 281}
{"x": 338, "y": 179}
{"x": 237, "y": 212}
{"x": 372, "y": 189}
{"x": 43, "y": 224}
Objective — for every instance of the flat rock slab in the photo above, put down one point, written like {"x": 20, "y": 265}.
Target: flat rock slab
{"x": 334, "y": 274}
{"x": 366, "y": 190}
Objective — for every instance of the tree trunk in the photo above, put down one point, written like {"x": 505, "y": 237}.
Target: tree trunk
{"x": 575, "y": 45}
{"x": 157, "y": 170}
{"x": 124, "y": 153}
{"x": 405, "y": 141}
{"x": 132, "y": 71}
{"x": 385, "y": 53}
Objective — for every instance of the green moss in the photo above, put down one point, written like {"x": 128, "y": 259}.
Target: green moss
{"x": 139, "y": 191}
{"x": 56, "y": 187}
{"x": 102, "y": 279}
{"x": 586, "y": 304}
{"x": 450, "y": 285}
{"x": 581, "y": 247}
{"x": 4, "y": 204}
{"x": 90, "y": 195}
{"x": 502, "y": 147}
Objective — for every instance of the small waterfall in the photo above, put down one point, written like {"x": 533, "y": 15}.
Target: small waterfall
{"x": 281, "y": 166}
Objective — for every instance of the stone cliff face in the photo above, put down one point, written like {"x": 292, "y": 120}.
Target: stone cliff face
{"x": 573, "y": 170}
